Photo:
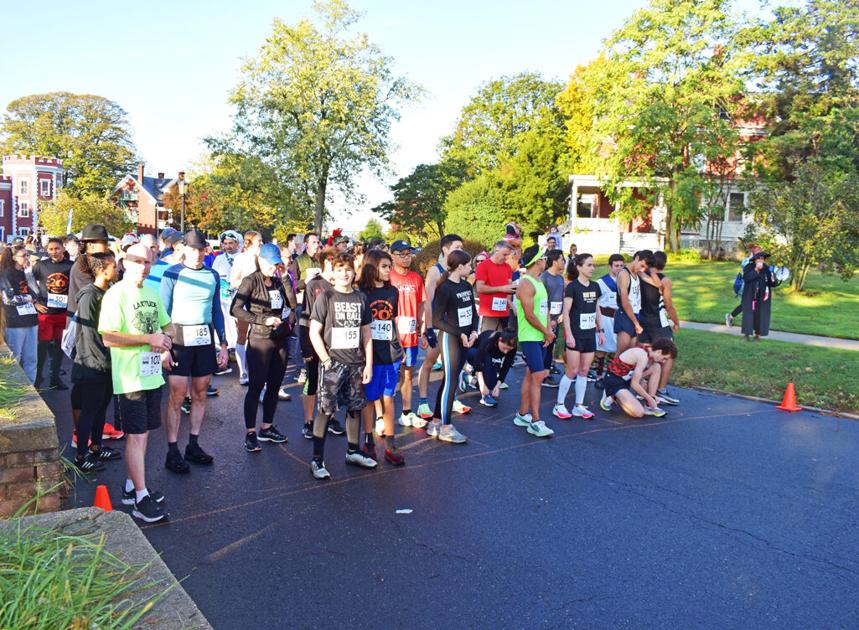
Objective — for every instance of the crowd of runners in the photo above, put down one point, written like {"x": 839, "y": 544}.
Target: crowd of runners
{"x": 355, "y": 317}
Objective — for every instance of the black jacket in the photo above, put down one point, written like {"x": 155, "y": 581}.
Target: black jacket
{"x": 92, "y": 358}
{"x": 252, "y": 304}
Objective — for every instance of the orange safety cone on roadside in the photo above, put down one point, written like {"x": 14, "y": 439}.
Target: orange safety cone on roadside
{"x": 102, "y": 499}
{"x": 788, "y": 403}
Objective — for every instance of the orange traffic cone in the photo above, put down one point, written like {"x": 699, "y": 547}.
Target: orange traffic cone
{"x": 788, "y": 403}
{"x": 102, "y": 499}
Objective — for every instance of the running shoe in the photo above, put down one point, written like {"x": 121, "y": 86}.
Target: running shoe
{"x": 433, "y": 428}
{"x": 522, "y": 420}
{"x": 75, "y": 439}
{"x": 147, "y": 510}
{"x": 360, "y": 458}
{"x": 418, "y": 423}
{"x": 58, "y": 384}
{"x": 656, "y": 412}
{"x": 436, "y": 366}
{"x": 370, "y": 450}
{"x": 488, "y": 401}
{"x": 408, "y": 419}
{"x": 380, "y": 426}
{"x": 424, "y": 411}
{"x": 186, "y": 405}
{"x": 393, "y": 457}
{"x": 458, "y": 407}
{"x": 195, "y": 454}
{"x": 504, "y": 386}
{"x": 450, "y": 435}
{"x": 540, "y": 429}
{"x": 89, "y": 463}
{"x": 729, "y": 320}
{"x": 302, "y": 376}
{"x": 244, "y": 380}
{"x": 252, "y": 443}
{"x": 129, "y": 497}
{"x": 606, "y": 402}
{"x": 664, "y": 397}
{"x": 550, "y": 381}
{"x": 580, "y": 411}
{"x": 335, "y": 428}
{"x": 224, "y": 370}
{"x": 106, "y": 454}
{"x": 463, "y": 382}
{"x": 212, "y": 391}
{"x": 317, "y": 469}
{"x": 592, "y": 375}
{"x": 110, "y": 432}
{"x": 560, "y": 411}
{"x": 272, "y": 435}
{"x": 307, "y": 431}
{"x": 282, "y": 394}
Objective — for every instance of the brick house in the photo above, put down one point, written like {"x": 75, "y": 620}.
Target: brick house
{"x": 142, "y": 198}
{"x": 26, "y": 183}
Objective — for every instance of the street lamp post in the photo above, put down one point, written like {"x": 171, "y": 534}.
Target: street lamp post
{"x": 182, "y": 193}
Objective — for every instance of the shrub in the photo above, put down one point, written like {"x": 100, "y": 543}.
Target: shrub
{"x": 685, "y": 255}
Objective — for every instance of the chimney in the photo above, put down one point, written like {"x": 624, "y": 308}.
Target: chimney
{"x": 160, "y": 175}
{"x": 140, "y": 172}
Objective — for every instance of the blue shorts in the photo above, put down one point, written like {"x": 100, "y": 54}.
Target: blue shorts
{"x": 411, "y": 358}
{"x": 384, "y": 382}
{"x": 622, "y": 323}
{"x": 532, "y": 352}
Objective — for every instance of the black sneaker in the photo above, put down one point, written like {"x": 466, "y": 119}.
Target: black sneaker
{"x": 176, "y": 463}
{"x": 186, "y": 405}
{"x": 335, "y": 428}
{"x": 128, "y": 498}
{"x": 58, "y": 384}
{"x": 106, "y": 454}
{"x": 307, "y": 431}
{"x": 251, "y": 442}
{"x": 212, "y": 391}
{"x": 271, "y": 435}
{"x": 195, "y": 454}
{"x": 147, "y": 510}
{"x": 89, "y": 463}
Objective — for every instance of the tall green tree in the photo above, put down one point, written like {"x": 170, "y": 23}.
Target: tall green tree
{"x": 90, "y": 134}
{"x": 372, "y": 230}
{"x": 86, "y": 208}
{"x": 317, "y": 102}
{"x": 477, "y": 210}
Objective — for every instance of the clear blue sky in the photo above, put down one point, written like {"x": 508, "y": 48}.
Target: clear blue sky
{"x": 171, "y": 65}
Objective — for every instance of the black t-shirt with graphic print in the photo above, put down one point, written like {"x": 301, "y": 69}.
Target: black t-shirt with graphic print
{"x": 582, "y": 316}
{"x": 341, "y": 316}
{"x": 383, "y": 302}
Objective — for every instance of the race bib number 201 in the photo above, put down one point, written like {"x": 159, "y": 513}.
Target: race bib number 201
{"x": 345, "y": 338}
{"x": 57, "y": 300}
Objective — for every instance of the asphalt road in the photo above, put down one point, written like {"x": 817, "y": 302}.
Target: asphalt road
{"x": 726, "y": 513}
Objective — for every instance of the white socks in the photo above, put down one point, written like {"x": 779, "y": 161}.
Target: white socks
{"x": 241, "y": 359}
{"x": 564, "y": 389}
{"x": 581, "y": 388}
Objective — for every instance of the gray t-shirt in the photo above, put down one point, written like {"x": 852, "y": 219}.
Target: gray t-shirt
{"x": 555, "y": 288}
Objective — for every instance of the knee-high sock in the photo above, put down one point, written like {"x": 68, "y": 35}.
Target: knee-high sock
{"x": 581, "y": 388}
{"x": 241, "y": 359}
{"x": 564, "y": 388}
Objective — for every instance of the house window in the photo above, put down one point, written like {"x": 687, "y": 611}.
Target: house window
{"x": 23, "y": 231}
{"x": 24, "y": 209}
{"x": 736, "y": 206}
{"x": 45, "y": 187}
{"x": 2, "y": 207}
{"x": 24, "y": 187}
{"x": 585, "y": 206}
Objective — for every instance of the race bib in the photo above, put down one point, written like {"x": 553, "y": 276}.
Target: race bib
{"x": 663, "y": 318}
{"x": 276, "y": 299}
{"x": 587, "y": 321}
{"x": 464, "y": 315}
{"x": 150, "y": 363}
{"x": 345, "y": 338}
{"x": 556, "y": 307}
{"x": 196, "y": 336}
{"x": 26, "y": 309}
{"x": 57, "y": 300}
{"x": 382, "y": 330}
{"x": 499, "y": 304}
{"x": 407, "y": 325}
{"x": 544, "y": 308}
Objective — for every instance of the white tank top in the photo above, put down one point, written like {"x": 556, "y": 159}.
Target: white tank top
{"x": 635, "y": 293}
{"x": 608, "y": 298}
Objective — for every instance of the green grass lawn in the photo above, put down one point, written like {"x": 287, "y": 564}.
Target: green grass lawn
{"x": 823, "y": 377}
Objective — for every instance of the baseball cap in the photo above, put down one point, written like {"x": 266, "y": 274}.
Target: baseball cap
{"x": 271, "y": 254}
{"x": 128, "y": 240}
{"x": 195, "y": 239}
{"x": 230, "y": 234}
{"x": 400, "y": 246}
{"x": 94, "y": 232}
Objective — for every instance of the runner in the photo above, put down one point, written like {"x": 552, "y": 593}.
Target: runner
{"x": 455, "y": 316}
{"x": 91, "y": 366}
{"x": 449, "y": 243}
{"x": 22, "y": 324}
{"x": 170, "y": 255}
{"x": 532, "y": 305}
{"x": 553, "y": 279}
{"x": 260, "y": 302}
{"x": 663, "y": 325}
{"x": 223, "y": 264}
{"x": 626, "y": 325}
{"x": 132, "y": 324}
{"x": 636, "y": 371}
{"x": 491, "y": 357}
{"x": 72, "y": 246}
{"x": 340, "y": 334}
{"x": 410, "y": 319}
{"x": 190, "y": 293}
{"x": 583, "y": 318}
{"x": 52, "y": 282}
{"x": 315, "y": 287}
{"x": 494, "y": 286}
{"x": 383, "y": 300}
{"x": 608, "y": 307}
{"x": 244, "y": 264}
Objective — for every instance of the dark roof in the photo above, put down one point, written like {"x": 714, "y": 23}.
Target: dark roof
{"x": 153, "y": 185}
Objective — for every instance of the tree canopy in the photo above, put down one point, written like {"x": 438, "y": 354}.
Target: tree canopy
{"x": 87, "y": 207}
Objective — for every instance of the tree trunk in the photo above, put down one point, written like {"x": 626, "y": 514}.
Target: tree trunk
{"x": 319, "y": 209}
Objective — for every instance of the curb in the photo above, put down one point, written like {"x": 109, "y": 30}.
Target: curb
{"x": 825, "y": 412}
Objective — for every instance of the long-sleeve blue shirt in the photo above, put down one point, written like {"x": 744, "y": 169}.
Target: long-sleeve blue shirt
{"x": 191, "y": 297}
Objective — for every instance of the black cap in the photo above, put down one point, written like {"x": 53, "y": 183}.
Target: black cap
{"x": 94, "y": 232}
{"x": 760, "y": 255}
{"x": 196, "y": 239}
{"x": 400, "y": 246}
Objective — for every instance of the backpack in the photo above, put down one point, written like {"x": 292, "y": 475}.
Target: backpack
{"x": 738, "y": 284}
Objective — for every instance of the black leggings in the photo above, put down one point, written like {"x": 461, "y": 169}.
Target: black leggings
{"x": 95, "y": 397}
{"x": 453, "y": 358}
{"x": 266, "y": 366}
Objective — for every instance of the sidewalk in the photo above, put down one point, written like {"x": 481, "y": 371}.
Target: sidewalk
{"x": 809, "y": 340}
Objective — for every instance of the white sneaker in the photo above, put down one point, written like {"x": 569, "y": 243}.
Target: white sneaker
{"x": 560, "y": 411}
{"x": 459, "y": 407}
{"x": 504, "y": 386}
{"x": 540, "y": 429}
{"x": 380, "y": 426}
{"x": 418, "y": 422}
{"x": 433, "y": 428}
{"x": 580, "y": 411}
{"x": 606, "y": 402}
{"x": 654, "y": 411}
{"x": 405, "y": 419}
{"x": 359, "y": 458}
{"x": 243, "y": 379}
{"x": 319, "y": 471}
{"x": 521, "y": 420}
{"x": 449, "y": 434}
